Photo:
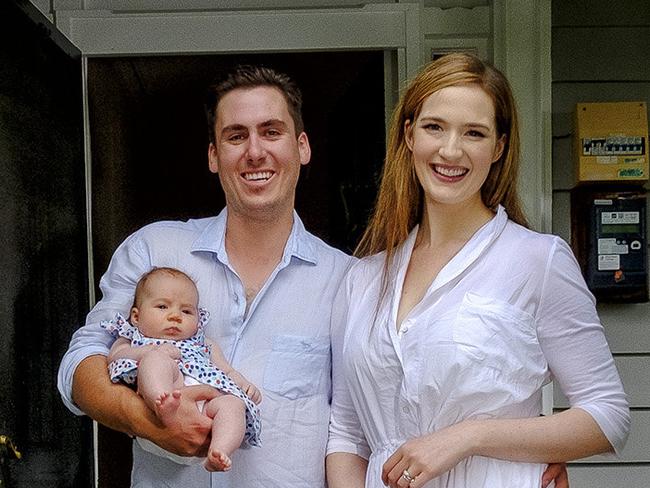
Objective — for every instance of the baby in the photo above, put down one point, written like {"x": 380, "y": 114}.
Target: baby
{"x": 164, "y": 342}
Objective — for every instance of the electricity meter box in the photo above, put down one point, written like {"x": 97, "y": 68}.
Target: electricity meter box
{"x": 611, "y": 142}
{"x": 609, "y": 239}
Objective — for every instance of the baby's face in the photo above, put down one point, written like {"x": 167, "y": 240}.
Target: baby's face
{"x": 168, "y": 308}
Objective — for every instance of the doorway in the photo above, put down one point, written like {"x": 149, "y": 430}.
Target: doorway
{"x": 148, "y": 133}
{"x": 44, "y": 293}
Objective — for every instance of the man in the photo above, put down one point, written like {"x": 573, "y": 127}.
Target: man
{"x": 267, "y": 283}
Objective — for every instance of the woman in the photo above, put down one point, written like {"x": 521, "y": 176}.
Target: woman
{"x": 457, "y": 315}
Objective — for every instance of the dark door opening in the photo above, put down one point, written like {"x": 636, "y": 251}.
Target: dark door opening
{"x": 44, "y": 292}
{"x": 148, "y": 133}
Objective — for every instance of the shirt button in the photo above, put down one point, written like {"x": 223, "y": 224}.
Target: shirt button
{"x": 405, "y": 409}
{"x": 236, "y": 298}
{"x": 404, "y": 329}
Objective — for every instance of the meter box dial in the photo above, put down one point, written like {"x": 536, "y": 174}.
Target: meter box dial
{"x": 612, "y": 245}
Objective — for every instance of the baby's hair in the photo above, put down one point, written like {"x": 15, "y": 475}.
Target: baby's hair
{"x": 142, "y": 282}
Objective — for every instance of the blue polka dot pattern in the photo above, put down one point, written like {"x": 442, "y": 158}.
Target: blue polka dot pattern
{"x": 194, "y": 362}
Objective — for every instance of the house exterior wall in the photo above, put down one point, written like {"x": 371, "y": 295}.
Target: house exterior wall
{"x": 599, "y": 53}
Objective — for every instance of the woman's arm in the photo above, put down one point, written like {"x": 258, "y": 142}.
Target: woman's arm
{"x": 345, "y": 470}
{"x": 347, "y": 450}
{"x": 574, "y": 345}
{"x": 569, "y": 435}
{"x": 573, "y": 342}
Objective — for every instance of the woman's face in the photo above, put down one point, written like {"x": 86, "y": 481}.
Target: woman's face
{"x": 454, "y": 142}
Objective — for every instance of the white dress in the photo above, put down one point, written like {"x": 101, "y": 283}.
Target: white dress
{"x": 506, "y": 315}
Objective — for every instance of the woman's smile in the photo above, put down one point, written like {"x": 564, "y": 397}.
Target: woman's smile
{"x": 449, "y": 172}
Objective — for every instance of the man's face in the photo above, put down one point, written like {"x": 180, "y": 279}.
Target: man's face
{"x": 256, "y": 152}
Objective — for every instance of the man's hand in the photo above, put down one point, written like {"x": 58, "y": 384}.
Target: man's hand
{"x": 187, "y": 433}
{"x": 557, "y": 472}
{"x": 120, "y": 408}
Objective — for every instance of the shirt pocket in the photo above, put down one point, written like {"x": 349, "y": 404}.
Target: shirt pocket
{"x": 296, "y": 365}
{"x": 498, "y": 341}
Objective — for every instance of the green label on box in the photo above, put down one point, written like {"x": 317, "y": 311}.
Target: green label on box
{"x": 631, "y": 173}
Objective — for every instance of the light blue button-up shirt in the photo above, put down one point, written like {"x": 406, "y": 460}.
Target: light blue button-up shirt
{"x": 282, "y": 345}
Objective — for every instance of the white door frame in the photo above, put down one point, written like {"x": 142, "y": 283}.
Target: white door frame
{"x": 522, "y": 50}
{"x": 102, "y": 33}
{"x": 385, "y": 27}
{"x": 520, "y": 46}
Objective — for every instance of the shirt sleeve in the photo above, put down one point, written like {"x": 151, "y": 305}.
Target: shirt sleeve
{"x": 117, "y": 285}
{"x": 576, "y": 349}
{"x": 345, "y": 432}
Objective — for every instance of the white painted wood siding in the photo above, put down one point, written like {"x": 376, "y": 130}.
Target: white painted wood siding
{"x": 600, "y": 52}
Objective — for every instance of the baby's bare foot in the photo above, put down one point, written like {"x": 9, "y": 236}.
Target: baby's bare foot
{"x": 167, "y": 404}
{"x": 217, "y": 461}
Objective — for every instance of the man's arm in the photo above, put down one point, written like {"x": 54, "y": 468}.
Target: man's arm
{"x": 83, "y": 378}
{"x": 122, "y": 409}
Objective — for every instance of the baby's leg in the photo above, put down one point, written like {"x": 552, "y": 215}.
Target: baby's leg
{"x": 159, "y": 383}
{"x": 228, "y": 415}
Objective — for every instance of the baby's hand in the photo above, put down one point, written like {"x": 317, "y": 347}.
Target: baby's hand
{"x": 171, "y": 351}
{"x": 252, "y": 391}
{"x": 247, "y": 387}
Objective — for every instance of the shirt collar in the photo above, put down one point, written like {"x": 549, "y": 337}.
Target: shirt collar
{"x": 470, "y": 252}
{"x": 213, "y": 239}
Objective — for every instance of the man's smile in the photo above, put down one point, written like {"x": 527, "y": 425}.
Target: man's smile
{"x": 258, "y": 176}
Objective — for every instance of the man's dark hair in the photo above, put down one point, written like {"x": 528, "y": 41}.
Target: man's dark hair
{"x": 248, "y": 76}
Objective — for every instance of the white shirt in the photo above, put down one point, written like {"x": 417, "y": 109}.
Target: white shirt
{"x": 506, "y": 315}
{"x": 282, "y": 346}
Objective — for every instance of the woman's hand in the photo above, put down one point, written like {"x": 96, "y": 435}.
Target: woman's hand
{"x": 431, "y": 455}
{"x": 426, "y": 457}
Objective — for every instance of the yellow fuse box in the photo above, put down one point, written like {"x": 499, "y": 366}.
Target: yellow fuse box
{"x": 611, "y": 141}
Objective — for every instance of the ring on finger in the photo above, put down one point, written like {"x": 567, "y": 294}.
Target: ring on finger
{"x": 407, "y": 476}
